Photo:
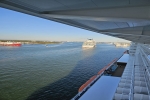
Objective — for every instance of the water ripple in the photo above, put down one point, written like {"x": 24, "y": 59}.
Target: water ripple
{"x": 37, "y": 72}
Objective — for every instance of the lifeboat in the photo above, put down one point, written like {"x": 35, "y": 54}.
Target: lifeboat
{"x": 86, "y": 84}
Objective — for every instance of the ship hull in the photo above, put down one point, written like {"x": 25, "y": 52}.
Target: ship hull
{"x": 13, "y": 44}
{"x": 87, "y": 46}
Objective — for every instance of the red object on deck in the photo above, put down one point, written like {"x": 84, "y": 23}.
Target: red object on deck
{"x": 87, "y": 83}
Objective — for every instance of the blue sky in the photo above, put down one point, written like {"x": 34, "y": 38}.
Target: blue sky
{"x": 16, "y": 25}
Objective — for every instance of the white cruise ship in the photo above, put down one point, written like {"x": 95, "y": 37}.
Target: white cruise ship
{"x": 90, "y": 43}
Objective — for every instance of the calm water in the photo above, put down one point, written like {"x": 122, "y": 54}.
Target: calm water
{"x": 36, "y": 72}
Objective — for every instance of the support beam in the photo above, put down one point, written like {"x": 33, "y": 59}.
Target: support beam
{"x": 118, "y": 14}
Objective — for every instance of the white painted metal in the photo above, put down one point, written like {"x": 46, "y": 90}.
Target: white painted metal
{"x": 103, "y": 89}
{"x": 124, "y": 59}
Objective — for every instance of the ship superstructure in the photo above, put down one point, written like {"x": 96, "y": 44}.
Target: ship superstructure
{"x": 90, "y": 43}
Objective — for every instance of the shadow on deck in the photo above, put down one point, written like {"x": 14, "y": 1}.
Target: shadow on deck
{"x": 119, "y": 71}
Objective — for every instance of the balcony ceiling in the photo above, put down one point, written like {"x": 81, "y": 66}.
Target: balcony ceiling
{"x": 126, "y": 19}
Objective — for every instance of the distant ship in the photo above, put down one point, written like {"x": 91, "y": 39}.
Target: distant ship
{"x": 16, "y": 44}
{"x": 122, "y": 44}
{"x": 90, "y": 43}
{"x": 46, "y": 45}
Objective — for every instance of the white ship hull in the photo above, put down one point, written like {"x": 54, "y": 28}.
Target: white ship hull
{"x": 88, "y": 46}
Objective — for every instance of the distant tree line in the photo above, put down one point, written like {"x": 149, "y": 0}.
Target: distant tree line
{"x": 31, "y": 41}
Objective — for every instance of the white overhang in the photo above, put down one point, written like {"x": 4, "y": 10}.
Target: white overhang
{"x": 124, "y": 59}
{"x": 103, "y": 89}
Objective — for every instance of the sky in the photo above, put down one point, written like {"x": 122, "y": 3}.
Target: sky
{"x": 19, "y": 26}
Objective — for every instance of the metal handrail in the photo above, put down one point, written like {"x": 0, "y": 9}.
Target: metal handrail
{"x": 145, "y": 62}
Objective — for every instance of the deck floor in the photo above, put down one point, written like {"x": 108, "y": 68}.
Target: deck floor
{"x": 119, "y": 71}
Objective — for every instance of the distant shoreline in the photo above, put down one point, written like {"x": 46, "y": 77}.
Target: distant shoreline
{"x": 32, "y": 42}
